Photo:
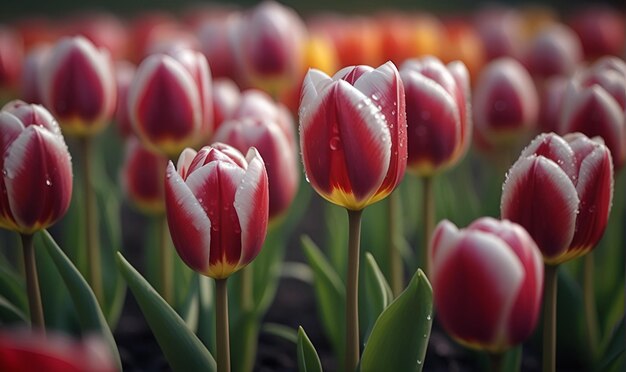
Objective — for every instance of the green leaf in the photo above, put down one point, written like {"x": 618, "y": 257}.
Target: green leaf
{"x": 336, "y": 242}
{"x": 281, "y": 331}
{"x": 181, "y": 347}
{"x": 206, "y": 319}
{"x": 10, "y": 314}
{"x": 612, "y": 357}
{"x": 308, "y": 361}
{"x": 12, "y": 288}
{"x": 400, "y": 336}
{"x": 88, "y": 310}
{"x": 377, "y": 292}
{"x": 330, "y": 294}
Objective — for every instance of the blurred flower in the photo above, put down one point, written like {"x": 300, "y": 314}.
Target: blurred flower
{"x": 36, "y": 30}
{"x": 124, "y": 74}
{"x": 505, "y": 103}
{"x": 216, "y": 43}
{"x": 269, "y": 47}
{"x": 53, "y": 352}
{"x": 257, "y": 104}
{"x": 556, "y": 50}
{"x": 217, "y": 208}
{"x": 30, "y": 84}
{"x": 104, "y": 30}
{"x": 278, "y": 153}
{"x": 78, "y": 86}
{"x": 594, "y": 104}
{"x": 226, "y": 98}
{"x": 561, "y": 190}
{"x": 142, "y": 177}
{"x": 437, "y": 115}
{"x": 36, "y": 183}
{"x": 602, "y": 31}
{"x": 461, "y": 42}
{"x": 145, "y": 29}
{"x": 353, "y": 133}
{"x": 170, "y": 101}
{"x": 501, "y": 32}
{"x": 11, "y": 59}
{"x": 487, "y": 283}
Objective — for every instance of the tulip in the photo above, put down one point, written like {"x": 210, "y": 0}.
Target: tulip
{"x": 556, "y": 50}
{"x": 462, "y": 43}
{"x": 124, "y": 74}
{"x": 353, "y": 141}
{"x": 560, "y": 190}
{"x": 215, "y": 37}
{"x": 269, "y": 47}
{"x": 226, "y": 98}
{"x": 36, "y": 183}
{"x": 601, "y": 30}
{"x": 103, "y": 29}
{"x": 217, "y": 206}
{"x": 505, "y": 103}
{"x": 551, "y": 104}
{"x": 27, "y": 351}
{"x": 501, "y": 32}
{"x": 142, "y": 177}
{"x": 11, "y": 58}
{"x": 170, "y": 101}
{"x": 30, "y": 91}
{"x": 487, "y": 283}
{"x": 78, "y": 86}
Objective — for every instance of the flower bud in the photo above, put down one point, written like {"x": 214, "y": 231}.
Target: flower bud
{"x": 561, "y": 190}
{"x": 142, "y": 177}
{"x": 602, "y": 31}
{"x": 78, "y": 86}
{"x": 124, "y": 74}
{"x": 487, "y": 283}
{"x": 217, "y": 208}
{"x": 556, "y": 50}
{"x": 11, "y": 59}
{"x": 36, "y": 183}
{"x": 30, "y": 84}
{"x": 226, "y": 98}
{"x": 353, "y": 133}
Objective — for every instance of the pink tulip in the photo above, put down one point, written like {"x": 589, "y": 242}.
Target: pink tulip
{"x": 438, "y": 118}
{"x": 501, "y": 32}
{"x": 353, "y": 133}
{"x": 30, "y": 90}
{"x": 556, "y": 50}
{"x": 124, "y": 74}
{"x": 36, "y": 183}
{"x": 217, "y": 208}
{"x": 28, "y": 351}
{"x": 602, "y": 31}
{"x": 551, "y": 104}
{"x": 11, "y": 58}
{"x": 215, "y": 38}
{"x": 103, "y": 29}
{"x": 487, "y": 283}
{"x": 78, "y": 86}
{"x": 170, "y": 101}
{"x": 142, "y": 177}
{"x": 561, "y": 190}
{"x": 226, "y": 98}
{"x": 505, "y": 102}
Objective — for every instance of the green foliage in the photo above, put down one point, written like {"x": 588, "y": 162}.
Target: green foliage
{"x": 308, "y": 361}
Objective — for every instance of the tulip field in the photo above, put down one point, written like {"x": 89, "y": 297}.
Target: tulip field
{"x": 261, "y": 188}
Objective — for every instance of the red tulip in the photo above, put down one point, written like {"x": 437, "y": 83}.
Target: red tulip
{"x": 36, "y": 183}
{"x": 487, "y": 283}
{"x": 28, "y": 351}
{"x": 269, "y": 46}
{"x": 501, "y": 32}
{"x": 30, "y": 89}
{"x": 277, "y": 152}
{"x": 215, "y": 38}
{"x": 602, "y": 31}
{"x": 556, "y": 50}
{"x": 353, "y": 133}
{"x": 78, "y": 86}
{"x": 103, "y": 29}
{"x": 226, "y": 98}
{"x": 217, "y": 208}
{"x": 437, "y": 114}
{"x": 142, "y": 177}
{"x": 124, "y": 74}
{"x": 170, "y": 101}
{"x": 505, "y": 102}
{"x": 551, "y": 104}
{"x": 11, "y": 58}
{"x": 561, "y": 190}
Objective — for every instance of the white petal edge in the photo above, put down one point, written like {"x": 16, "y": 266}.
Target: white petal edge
{"x": 314, "y": 82}
{"x": 378, "y": 81}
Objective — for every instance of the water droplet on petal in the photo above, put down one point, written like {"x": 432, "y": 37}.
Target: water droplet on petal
{"x": 335, "y": 143}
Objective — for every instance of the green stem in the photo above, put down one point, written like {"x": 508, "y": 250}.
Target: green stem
{"x": 549, "y": 318}
{"x": 246, "y": 300}
{"x": 496, "y": 361}
{"x": 352, "y": 300}
{"x": 91, "y": 219}
{"x": 221, "y": 326}
{"x": 428, "y": 220}
{"x": 395, "y": 260}
{"x": 591, "y": 315}
{"x": 166, "y": 262}
{"x": 32, "y": 284}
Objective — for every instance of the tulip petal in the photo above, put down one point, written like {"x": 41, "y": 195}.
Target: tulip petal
{"x": 555, "y": 148}
{"x": 536, "y": 186}
{"x": 315, "y": 82}
{"x": 37, "y": 176}
{"x": 184, "y": 162}
{"x": 251, "y": 204}
{"x": 189, "y": 225}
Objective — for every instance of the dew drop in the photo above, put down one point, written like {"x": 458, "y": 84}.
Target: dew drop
{"x": 335, "y": 143}
{"x": 375, "y": 96}
{"x": 306, "y": 177}
{"x": 419, "y": 362}
{"x": 169, "y": 175}
{"x": 428, "y": 317}
{"x": 48, "y": 182}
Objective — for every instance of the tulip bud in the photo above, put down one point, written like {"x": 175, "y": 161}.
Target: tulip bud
{"x": 103, "y": 29}
{"x": 556, "y": 50}
{"x": 170, "y": 101}
{"x": 561, "y": 190}
{"x": 551, "y": 104}
{"x": 124, "y": 73}
{"x": 30, "y": 89}
{"x": 21, "y": 350}
{"x": 487, "y": 283}
{"x": 269, "y": 46}
{"x": 142, "y": 177}
{"x": 215, "y": 38}
{"x": 217, "y": 208}
{"x": 438, "y": 122}
{"x": 36, "y": 183}
{"x": 353, "y": 133}
{"x": 11, "y": 58}
{"x": 226, "y": 97}
{"x": 500, "y": 29}
{"x": 78, "y": 86}
{"x": 602, "y": 31}
{"x": 505, "y": 102}
{"x": 277, "y": 152}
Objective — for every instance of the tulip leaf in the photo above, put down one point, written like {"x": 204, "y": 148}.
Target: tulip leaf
{"x": 308, "y": 361}
{"x": 206, "y": 318}
{"x": 87, "y": 308}
{"x": 181, "y": 347}
{"x": 244, "y": 340}
{"x": 282, "y": 331}
{"x": 377, "y": 292}
{"x": 12, "y": 288}
{"x": 613, "y": 355}
{"x": 330, "y": 293}
{"x": 400, "y": 335}
{"x": 10, "y": 314}
{"x": 337, "y": 237}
